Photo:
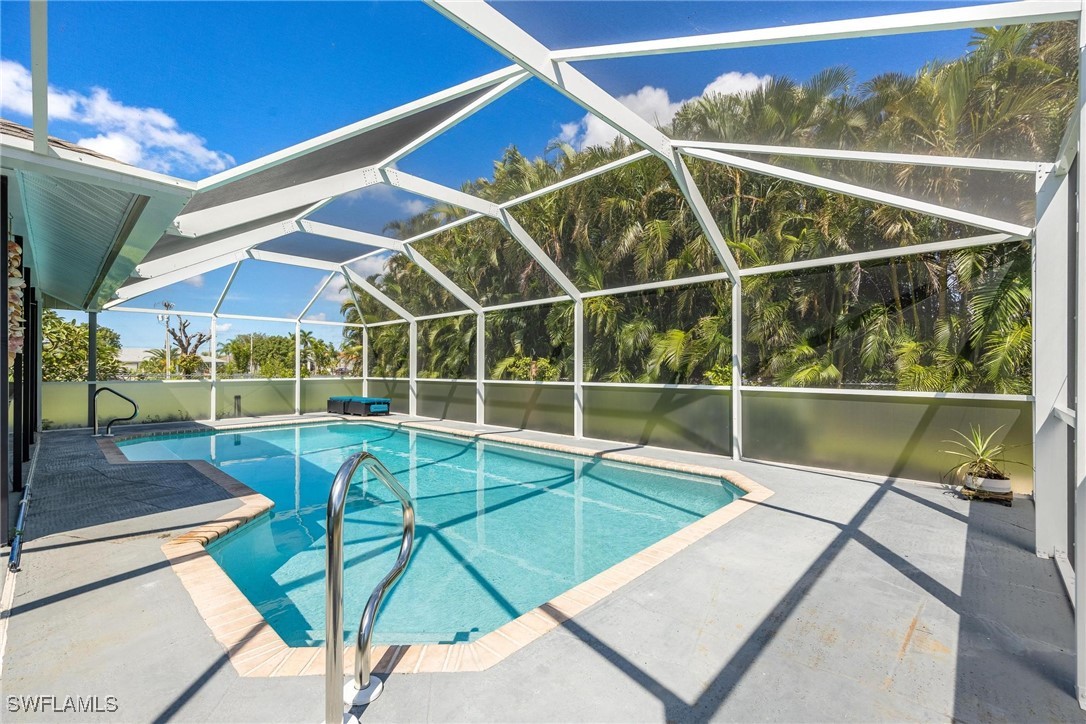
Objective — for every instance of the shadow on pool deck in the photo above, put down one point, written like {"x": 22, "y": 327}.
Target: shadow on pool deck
{"x": 1005, "y": 650}
{"x": 838, "y": 599}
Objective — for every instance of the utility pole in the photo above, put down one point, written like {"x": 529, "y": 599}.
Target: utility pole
{"x": 165, "y": 319}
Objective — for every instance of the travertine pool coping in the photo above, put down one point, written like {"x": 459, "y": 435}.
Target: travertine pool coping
{"x": 255, "y": 649}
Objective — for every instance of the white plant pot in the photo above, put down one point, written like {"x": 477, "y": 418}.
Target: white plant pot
{"x": 988, "y": 485}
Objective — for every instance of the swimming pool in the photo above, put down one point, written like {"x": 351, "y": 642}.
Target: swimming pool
{"x": 500, "y": 529}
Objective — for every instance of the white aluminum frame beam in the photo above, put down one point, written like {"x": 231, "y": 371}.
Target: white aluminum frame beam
{"x": 427, "y": 234}
{"x": 737, "y": 370}
{"x": 437, "y": 192}
{"x": 165, "y": 279}
{"x": 889, "y": 253}
{"x": 384, "y": 242}
{"x": 480, "y": 369}
{"x": 249, "y": 317}
{"x": 662, "y": 284}
{"x": 226, "y": 288}
{"x": 508, "y": 38}
{"x": 834, "y": 154}
{"x": 202, "y": 266}
{"x": 1079, "y": 372}
{"x": 386, "y": 323}
{"x": 704, "y": 215}
{"x": 297, "y": 369}
{"x": 558, "y": 185}
{"x": 205, "y": 221}
{"x": 413, "y": 367}
{"x": 861, "y": 192}
{"x": 578, "y": 368}
{"x": 577, "y": 178}
{"x": 39, "y": 74}
{"x": 242, "y": 242}
{"x": 438, "y": 276}
{"x": 214, "y": 393}
{"x": 545, "y": 262}
{"x": 487, "y": 98}
{"x": 1068, "y": 145}
{"x": 485, "y": 208}
{"x": 223, "y": 216}
{"x": 292, "y": 260}
{"x": 978, "y": 16}
{"x": 363, "y": 126}
{"x": 320, "y": 290}
{"x": 357, "y": 308}
{"x": 1051, "y": 346}
{"x": 355, "y": 278}
{"x": 351, "y": 235}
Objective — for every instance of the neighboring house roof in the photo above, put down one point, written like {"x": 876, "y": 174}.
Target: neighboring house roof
{"x": 133, "y": 355}
{"x": 10, "y": 128}
{"x": 87, "y": 219}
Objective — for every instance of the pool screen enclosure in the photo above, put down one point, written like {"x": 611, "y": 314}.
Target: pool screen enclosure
{"x": 1017, "y": 211}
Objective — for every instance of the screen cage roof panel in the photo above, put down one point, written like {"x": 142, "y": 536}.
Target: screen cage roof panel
{"x": 262, "y": 288}
{"x": 170, "y": 244}
{"x": 492, "y": 267}
{"x": 316, "y": 246}
{"x": 197, "y": 293}
{"x": 353, "y": 152}
{"x": 386, "y": 210}
{"x": 642, "y": 222}
{"x": 516, "y": 144}
{"x": 589, "y": 23}
{"x": 631, "y": 225}
{"x": 902, "y": 93}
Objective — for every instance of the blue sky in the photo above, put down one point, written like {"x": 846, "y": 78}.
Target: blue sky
{"x": 193, "y": 88}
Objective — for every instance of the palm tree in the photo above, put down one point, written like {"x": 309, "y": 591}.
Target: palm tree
{"x": 943, "y": 321}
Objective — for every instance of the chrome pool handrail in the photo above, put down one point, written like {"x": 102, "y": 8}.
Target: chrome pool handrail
{"x": 333, "y": 591}
{"x": 109, "y": 423}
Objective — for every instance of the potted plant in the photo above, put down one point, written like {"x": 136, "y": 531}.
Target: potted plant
{"x": 983, "y": 462}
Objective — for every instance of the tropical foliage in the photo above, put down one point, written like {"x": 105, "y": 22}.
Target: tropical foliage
{"x": 956, "y": 320}
{"x": 258, "y": 355}
{"x": 64, "y": 350}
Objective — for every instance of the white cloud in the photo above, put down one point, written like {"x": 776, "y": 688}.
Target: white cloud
{"x": 376, "y": 192}
{"x": 388, "y": 195}
{"x": 321, "y": 317}
{"x": 145, "y": 137}
{"x": 335, "y": 291}
{"x": 196, "y": 281}
{"x": 222, "y": 327}
{"x": 372, "y": 264}
{"x": 655, "y": 106}
{"x": 414, "y": 206}
{"x": 734, "y": 82}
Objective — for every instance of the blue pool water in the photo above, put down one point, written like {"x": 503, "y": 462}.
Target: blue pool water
{"x": 500, "y": 528}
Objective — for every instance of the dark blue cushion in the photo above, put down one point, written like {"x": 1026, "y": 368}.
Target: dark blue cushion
{"x": 363, "y": 400}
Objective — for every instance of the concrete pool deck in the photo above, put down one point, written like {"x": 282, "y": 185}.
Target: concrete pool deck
{"x": 839, "y": 598}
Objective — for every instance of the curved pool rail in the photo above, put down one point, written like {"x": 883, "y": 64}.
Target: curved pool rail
{"x": 361, "y": 689}
{"x": 109, "y": 423}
